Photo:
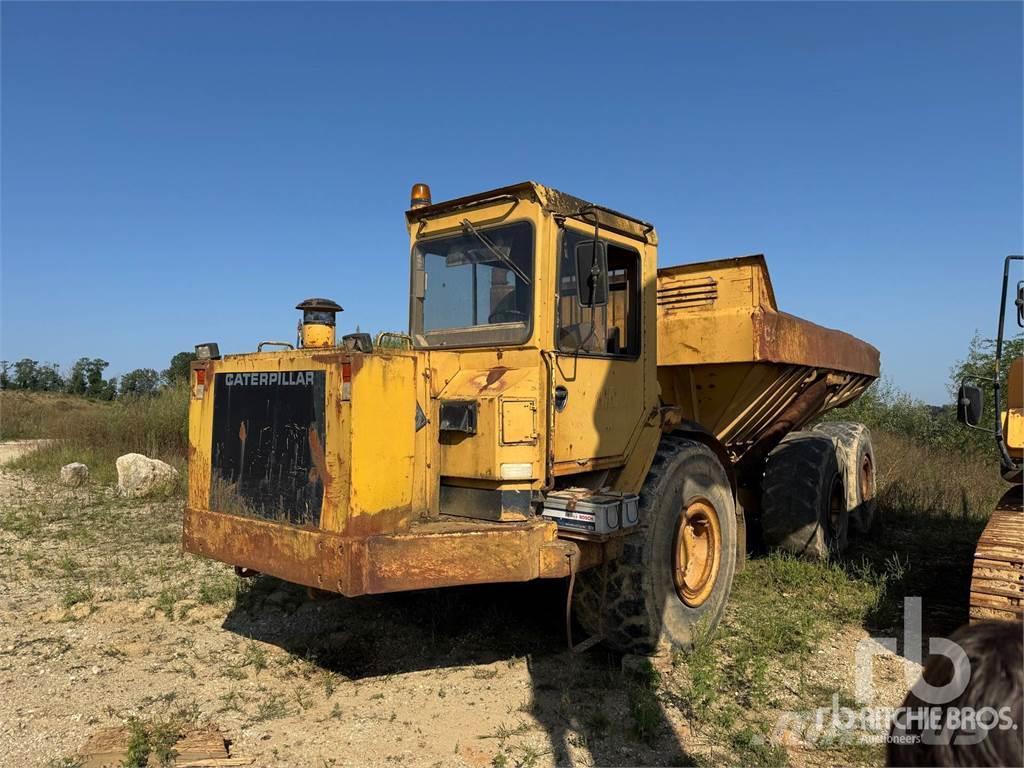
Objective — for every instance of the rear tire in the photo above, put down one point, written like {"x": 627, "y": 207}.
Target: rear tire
{"x": 856, "y": 459}
{"x": 803, "y": 498}
{"x": 670, "y": 585}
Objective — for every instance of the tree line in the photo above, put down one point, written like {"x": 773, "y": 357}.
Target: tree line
{"x": 86, "y": 377}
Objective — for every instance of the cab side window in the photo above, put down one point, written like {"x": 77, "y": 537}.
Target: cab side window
{"x": 611, "y": 327}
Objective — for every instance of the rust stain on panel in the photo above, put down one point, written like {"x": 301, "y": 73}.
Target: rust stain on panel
{"x": 432, "y": 555}
{"x": 316, "y": 453}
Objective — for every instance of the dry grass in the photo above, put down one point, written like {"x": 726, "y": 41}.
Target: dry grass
{"x": 925, "y": 481}
{"x": 934, "y": 504}
{"x": 96, "y": 433}
{"x": 25, "y": 415}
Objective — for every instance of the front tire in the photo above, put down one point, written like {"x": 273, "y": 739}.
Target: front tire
{"x": 670, "y": 586}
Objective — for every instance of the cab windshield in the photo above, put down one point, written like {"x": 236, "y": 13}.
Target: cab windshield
{"x": 476, "y": 286}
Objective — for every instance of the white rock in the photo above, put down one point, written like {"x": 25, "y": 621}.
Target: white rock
{"x": 139, "y": 475}
{"x": 74, "y": 474}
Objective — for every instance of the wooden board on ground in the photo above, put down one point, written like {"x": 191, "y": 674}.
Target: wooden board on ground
{"x": 199, "y": 748}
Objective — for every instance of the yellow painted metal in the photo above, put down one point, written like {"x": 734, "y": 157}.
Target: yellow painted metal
{"x": 481, "y": 455}
{"x": 383, "y": 408}
{"x": 610, "y": 399}
{"x": 711, "y": 341}
{"x": 733, "y": 363}
{"x": 317, "y": 335}
{"x": 1013, "y": 416}
{"x": 430, "y": 554}
{"x": 368, "y": 430}
{"x": 518, "y": 422}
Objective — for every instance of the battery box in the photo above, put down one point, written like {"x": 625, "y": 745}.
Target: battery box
{"x": 578, "y": 509}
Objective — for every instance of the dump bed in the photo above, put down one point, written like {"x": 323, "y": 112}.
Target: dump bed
{"x": 736, "y": 365}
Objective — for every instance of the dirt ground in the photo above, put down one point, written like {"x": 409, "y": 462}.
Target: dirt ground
{"x": 102, "y": 619}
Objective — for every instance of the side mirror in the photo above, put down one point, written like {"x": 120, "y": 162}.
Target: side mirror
{"x": 592, "y": 273}
{"x": 969, "y": 402}
{"x": 1020, "y": 303}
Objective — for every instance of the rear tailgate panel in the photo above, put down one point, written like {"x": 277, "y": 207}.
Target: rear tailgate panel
{"x": 267, "y": 449}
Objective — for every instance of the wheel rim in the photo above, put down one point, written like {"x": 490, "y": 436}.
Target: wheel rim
{"x": 867, "y": 478}
{"x": 697, "y": 553}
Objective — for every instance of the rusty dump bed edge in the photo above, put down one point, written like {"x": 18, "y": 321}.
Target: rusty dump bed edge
{"x": 788, "y": 339}
{"x": 724, "y": 311}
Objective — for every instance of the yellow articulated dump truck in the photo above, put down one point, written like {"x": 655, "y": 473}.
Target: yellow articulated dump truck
{"x": 997, "y": 582}
{"x": 561, "y": 408}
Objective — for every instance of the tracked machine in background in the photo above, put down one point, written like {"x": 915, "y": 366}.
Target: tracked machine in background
{"x": 997, "y": 583}
{"x": 560, "y": 408}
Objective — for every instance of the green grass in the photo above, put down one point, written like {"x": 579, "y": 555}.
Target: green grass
{"x": 167, "y": 601}
{"x": 255, "y": 656}
{"x": 220, "y": 587}
{"x": 644, "y": 708}
{"x": 764, "y": 655}
{"x": 151, "y": 742}
{"x": 271, "y": 708}
{"x": 81, "y": 593}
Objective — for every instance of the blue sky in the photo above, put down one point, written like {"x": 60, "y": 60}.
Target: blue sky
{"x": 177, "y": 173}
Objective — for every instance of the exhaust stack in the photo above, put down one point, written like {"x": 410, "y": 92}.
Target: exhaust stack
{"x": 316, "y": 329}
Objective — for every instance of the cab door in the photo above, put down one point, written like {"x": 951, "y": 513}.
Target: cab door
{"x": 603, "y": 388}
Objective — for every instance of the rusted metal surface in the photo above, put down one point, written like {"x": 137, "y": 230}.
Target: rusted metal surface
{"x": 740, "y": 322}
{"x": 553, "y": 201}
{"x": 734, "y": 363}
{"x": 435, "y": 554}
{"x": 784, "y": 338}
{"x": 803, "y": 407}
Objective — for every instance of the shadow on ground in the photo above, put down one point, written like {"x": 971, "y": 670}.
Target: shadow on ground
{"x": 581, "y": 700}
{"x": 920, "y": 554}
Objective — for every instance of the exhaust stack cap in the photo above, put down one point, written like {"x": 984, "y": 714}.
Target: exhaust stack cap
{"x": 420, "y": 196}
{"x": 322, "y": 306}
{"x": 318, "y": 319}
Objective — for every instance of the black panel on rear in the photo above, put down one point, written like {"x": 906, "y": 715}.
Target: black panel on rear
{"x": 268, "y": 445}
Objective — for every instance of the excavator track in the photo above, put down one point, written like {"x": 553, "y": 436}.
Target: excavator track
{"x": 997, "y": 584}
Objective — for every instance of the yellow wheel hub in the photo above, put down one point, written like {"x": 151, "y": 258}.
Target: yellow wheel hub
{"x": 697, "y": 553}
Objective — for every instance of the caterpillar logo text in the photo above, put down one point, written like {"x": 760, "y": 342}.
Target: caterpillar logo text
{"x": 284, "y": 378}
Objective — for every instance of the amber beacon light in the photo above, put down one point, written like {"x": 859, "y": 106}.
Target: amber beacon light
{"x": 420, "y": 196}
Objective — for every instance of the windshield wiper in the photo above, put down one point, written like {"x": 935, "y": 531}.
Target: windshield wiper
{"x": 495, "y": 252}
